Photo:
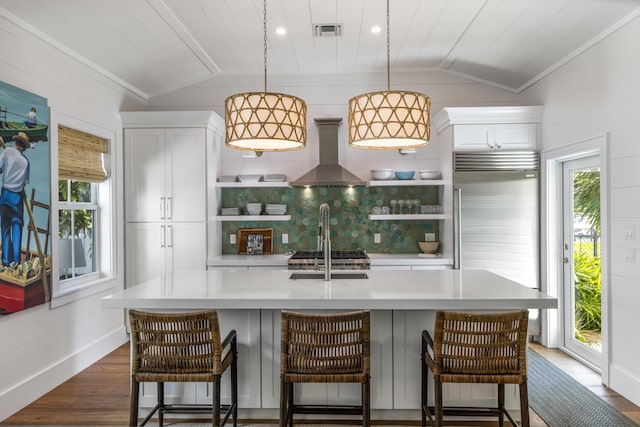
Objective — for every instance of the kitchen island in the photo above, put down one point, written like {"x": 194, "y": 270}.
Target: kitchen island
{"x": 402, "y": 304}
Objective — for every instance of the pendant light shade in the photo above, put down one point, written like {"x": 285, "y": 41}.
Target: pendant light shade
{"x": 265, "y": 121}
{"x": 389, "y": 120}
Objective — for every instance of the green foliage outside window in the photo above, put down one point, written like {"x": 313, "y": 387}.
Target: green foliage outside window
{"x": 76, "y": 222}
{"x": 587, "y": 282}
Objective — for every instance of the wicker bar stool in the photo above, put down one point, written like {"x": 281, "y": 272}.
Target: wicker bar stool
{"x": 324, "y": 348}
{"x": 476, "y": 348}
{"x": 182, "y": 347}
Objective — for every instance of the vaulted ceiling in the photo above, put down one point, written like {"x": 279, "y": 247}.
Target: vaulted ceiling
{"x": 155, "y": 46}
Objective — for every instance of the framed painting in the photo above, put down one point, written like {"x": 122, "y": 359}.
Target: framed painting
{"x": 25, "y": 200}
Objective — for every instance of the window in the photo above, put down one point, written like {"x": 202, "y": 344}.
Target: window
{"x": 77, "y": 213}
{"x": 83, "y": 216}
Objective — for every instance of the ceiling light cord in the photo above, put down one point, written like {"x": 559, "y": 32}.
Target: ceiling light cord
{"x": 386, "y": 120}
{"x": 265, "y": 121}
{"x": 388, "y": 51}
{"x": 264, "y": 29}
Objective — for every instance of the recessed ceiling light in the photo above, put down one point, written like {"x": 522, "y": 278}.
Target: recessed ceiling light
{"x": 376, "y": 29}
{"x": 281, "y": 31}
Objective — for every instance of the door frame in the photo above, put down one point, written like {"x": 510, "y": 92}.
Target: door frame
{"x": 552, "y": 331}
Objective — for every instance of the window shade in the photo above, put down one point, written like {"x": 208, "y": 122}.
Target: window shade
{"x": 80, "y": 155}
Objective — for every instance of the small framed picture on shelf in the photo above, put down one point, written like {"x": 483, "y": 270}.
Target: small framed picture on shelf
{"x": 255, "y": 241}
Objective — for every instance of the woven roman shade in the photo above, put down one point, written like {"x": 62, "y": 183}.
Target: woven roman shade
{"x": 80, "y": 155}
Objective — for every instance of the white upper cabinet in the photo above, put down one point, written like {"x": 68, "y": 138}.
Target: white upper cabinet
{"x": 165, "y": 174}
{"x": 170, "y": 161}
{"x": 491, "y": 128}
{"x": 521, "y": 136}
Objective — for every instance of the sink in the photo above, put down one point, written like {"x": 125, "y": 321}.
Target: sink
{"x": 336, "y": 276}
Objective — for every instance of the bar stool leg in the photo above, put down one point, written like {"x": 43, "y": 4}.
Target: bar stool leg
{"x": 366, "y": 404}
{"x": 216, "y": 401}
{"x": 160, "y": 403}
{"x": 133, "y": 404}
{"x": 524, "y": 404}
{"x": 501, "y": 404}
{"x": 234, "y": 386}
{"x": 283, "y": 403}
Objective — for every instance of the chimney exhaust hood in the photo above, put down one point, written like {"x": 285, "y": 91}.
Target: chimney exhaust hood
{"x": 328, "y": 172}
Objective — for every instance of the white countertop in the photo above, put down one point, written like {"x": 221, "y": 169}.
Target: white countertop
{"x": 281, "y": 260}
{"x": 383, "y": 290}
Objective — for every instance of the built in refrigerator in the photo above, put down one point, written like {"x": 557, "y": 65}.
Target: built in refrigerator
{"x": 496, "y": 216}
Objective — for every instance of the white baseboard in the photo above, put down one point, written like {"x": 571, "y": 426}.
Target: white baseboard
{"x": 45, "y": 380}
{"x": 625, "y": 383}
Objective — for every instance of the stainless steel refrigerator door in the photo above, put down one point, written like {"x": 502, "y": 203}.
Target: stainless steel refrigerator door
{"x": 497, "y": 225}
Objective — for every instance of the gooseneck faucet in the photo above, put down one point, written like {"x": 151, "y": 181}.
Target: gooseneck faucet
{"x": 324, "y": 243}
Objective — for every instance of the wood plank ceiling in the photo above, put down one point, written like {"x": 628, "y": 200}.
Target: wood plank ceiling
{"x": 156, "y": 46}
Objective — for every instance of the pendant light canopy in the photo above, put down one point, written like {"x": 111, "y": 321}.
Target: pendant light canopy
{"x": 265, "y": 121}
{"x": 389, "y": 120}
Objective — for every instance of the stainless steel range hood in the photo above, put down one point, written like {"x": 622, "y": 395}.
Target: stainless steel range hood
{"x": 328, "y": 172}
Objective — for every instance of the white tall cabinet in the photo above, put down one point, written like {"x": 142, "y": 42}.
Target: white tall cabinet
{"x": 169, "y": 159}
{"x": 170, "y": 167}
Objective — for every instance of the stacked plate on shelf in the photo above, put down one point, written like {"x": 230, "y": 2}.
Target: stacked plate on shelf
{"x": 275, "y": 209}
{"x": 230, "y": 211}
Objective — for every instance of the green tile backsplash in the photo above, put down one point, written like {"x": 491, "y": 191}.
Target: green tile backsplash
{"x": 350, "y": 226}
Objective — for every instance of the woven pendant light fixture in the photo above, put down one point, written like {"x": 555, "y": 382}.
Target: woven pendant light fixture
{"x": 389, "y": 120}
{"x": 265, "y": 121}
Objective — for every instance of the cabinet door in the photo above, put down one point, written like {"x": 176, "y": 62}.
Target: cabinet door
{"x": 185, "y": 160}
{"x": 407, "y": 346}
{"x": 144, "y": 175}
{"x": 473, "y": 137}
{"x": 519, "y": 136}
{"x": 145, "y": 256}
{"x": 186, "y": 244}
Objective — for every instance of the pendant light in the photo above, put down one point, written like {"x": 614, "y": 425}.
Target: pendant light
{"x": 265, "y": 121}
{"x": 389, "y": 120}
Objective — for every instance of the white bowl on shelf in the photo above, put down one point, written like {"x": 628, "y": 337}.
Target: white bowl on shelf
{"x": 382, "y": 174}
{"x": 250, "y": 177}
{"x": 429, "y": 247}
{"x": 428, "y": 174}
{"x": 254, "y": 208}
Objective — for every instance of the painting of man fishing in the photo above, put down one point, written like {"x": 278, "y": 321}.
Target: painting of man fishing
{"x": 25, "y": 200}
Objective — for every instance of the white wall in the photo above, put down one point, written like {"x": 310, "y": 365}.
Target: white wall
{"x": 328, "y": 96}
{"x": 43, "y": 346}
{"x": 595, "y": 94}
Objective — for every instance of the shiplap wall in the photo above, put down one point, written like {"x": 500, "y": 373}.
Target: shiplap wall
{"x": 326, "y": 96}
{"x": 596, "y": 94}
{"x": 43, "y": 346}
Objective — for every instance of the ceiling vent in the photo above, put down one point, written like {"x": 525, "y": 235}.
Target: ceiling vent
{"x": 327, "y": 30}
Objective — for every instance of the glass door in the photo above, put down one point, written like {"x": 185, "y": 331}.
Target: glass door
{"x": 581, "y": 259}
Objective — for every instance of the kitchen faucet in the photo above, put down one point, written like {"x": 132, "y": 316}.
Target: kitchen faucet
{"x": 324, "y": 243}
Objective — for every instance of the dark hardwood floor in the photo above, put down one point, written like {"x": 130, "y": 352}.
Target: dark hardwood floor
{"x": 99, "y": 395}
